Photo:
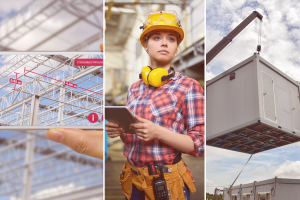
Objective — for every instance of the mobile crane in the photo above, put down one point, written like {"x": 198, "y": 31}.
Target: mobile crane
{"x": 226, "y": 40}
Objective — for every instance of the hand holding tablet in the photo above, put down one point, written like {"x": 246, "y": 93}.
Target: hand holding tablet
{"x": 120, "y": 115}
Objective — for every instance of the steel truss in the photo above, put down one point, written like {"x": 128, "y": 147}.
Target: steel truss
{"x": 33, "y": 167}
{"x": 36, "y": 13}
{"x": 43, "y": 99}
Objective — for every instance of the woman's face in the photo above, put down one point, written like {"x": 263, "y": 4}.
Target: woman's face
{"x": 162, "y": 46}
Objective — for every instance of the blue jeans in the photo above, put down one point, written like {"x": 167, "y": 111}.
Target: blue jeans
{"x": 140, "y": 195}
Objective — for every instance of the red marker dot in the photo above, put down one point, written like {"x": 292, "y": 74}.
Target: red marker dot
{"x": 93, "y": 117}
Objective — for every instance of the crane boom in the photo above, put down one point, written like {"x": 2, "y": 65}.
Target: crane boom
{"x": 226, "y": 40}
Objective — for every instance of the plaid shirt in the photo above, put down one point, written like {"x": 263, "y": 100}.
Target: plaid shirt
{"x": 177, "y": 105}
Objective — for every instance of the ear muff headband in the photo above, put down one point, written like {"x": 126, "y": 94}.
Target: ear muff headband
{"x": 156, "y": 77}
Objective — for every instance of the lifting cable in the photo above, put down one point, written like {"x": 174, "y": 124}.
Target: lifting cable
{"x": 259, "y": 37}
{"x": 239, "y": 174}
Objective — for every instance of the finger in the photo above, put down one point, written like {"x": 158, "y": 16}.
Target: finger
{"x": 110, "y": 124}
{"x": 137, "y": 125}
{"x": 141, "y": 133}
{"x": 114, "y": 129}
{"x": 110, "y": 133}
{"x": 140, "y": 119}
{"x": 84, "y": 142}
{"x": 113, "y": 135}
{"x": 140, "y": 137}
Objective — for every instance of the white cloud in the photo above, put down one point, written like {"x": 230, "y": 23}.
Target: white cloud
{"x": 259, "y": 171}
{"x": 280, "y": 34}
{"x": 289, "y": 169}
{"x": 209, "y": 181}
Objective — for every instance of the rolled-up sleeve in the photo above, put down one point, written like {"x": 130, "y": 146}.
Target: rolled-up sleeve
{"x": 194, "y": 114}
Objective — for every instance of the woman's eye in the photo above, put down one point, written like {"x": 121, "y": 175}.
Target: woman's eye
{"x": 171, "y": 39}
{"x": 156, "y": 38}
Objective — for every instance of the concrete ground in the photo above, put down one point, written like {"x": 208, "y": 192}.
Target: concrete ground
{"x": 113, "y": 166}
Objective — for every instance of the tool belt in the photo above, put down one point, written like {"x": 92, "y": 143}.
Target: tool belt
{"x": 139, "y": 176}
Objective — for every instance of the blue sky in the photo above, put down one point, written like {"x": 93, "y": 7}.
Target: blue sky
{"x": 281, "y": 47}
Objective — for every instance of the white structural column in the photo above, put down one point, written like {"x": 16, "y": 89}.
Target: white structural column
{"x": 34, "y": 110}
{"x": 28, "y": 169}
{"x": 61, "y": 105}
{"x": 24, "y": 109}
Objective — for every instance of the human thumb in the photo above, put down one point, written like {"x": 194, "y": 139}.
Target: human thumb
{"x": 84, "y": 142}
{"x": 140, "y": 119}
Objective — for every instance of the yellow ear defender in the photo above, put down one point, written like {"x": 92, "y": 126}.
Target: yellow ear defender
{"x": 156, "y": 77}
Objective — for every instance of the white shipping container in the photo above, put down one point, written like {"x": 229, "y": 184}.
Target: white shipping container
{"x": 252, "y": 107}
{"x": 271, "y": 189}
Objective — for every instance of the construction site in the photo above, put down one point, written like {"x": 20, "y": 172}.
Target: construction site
{"x": 38, "y": 92}
{"x": 253, "y": 107}
{"x": 122, "y": 41}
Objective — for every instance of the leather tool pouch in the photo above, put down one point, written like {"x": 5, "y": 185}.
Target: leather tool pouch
{"x": 184, "y": 173}
{"x": 175, "y": 183}
{"x": 148, "y": 187}
{"x": 175, "y": 186}
{"x": 126, "y": 181}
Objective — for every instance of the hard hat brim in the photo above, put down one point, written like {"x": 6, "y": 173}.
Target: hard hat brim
{"x": 162, "y": 27}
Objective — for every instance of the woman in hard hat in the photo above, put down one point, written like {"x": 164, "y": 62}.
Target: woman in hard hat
{"x": 166, "y": 104}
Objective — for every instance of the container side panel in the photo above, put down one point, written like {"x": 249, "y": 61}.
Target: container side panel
{"x": 208, "y": 110}
{"x": 283, "y": 108}
{"x": 268, "y": 97}
{"x": 288, "y": 191}
{"x": 250, "y": 90}
{"x": 218, "y": 117}
{"x": 236, "y": 98}
{"x": 295, "y": 109}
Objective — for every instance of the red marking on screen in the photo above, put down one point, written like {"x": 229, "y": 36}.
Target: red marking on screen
{"x": 88, "y": 62}
{"x": 66, "y": 82}
{"x": 15, "y": 81}
{"x": 73, "y": 85}
{"x": 93, "y": 117}
{"x": 11, "y": 80}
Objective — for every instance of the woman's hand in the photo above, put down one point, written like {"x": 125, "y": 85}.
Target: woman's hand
{"x": 113, "y": 130}
{"x": 146, "y": 130}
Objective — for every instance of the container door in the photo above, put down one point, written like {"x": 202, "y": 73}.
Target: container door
{"x": 268, "y": 97}
{"x": 295, "y": 105}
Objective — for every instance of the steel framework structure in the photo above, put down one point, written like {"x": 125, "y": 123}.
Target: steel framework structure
{"x": 43, "y": 99}
{"x": 34, "y": 168}
{"x": 36, "y": 18}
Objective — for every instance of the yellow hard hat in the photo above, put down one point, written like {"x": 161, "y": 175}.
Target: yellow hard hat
{"x": 163, "y": 20}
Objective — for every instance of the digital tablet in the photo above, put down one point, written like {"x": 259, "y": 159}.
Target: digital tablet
{"x": 120, "y": 115}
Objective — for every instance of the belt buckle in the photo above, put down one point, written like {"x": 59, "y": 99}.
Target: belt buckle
{"x": 136, "y": 172}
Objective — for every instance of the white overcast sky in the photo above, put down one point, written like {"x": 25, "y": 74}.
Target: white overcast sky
{"x": 281, "y": 47}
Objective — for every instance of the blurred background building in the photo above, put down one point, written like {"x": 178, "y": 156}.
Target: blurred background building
{"x": 125, "y": 57}
{"x": 34, "y": 168}
{"x": 51, "y": 25}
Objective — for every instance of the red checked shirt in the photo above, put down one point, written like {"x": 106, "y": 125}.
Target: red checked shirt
{"x": 178, "y": 106}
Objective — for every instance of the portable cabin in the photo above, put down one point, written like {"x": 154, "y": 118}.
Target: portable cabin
{"x": 252, "y": 107}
